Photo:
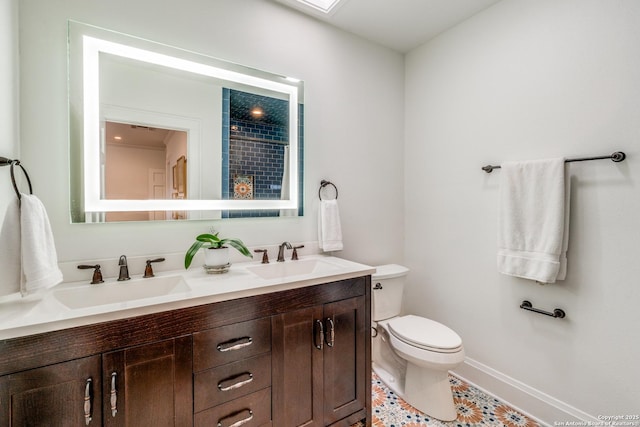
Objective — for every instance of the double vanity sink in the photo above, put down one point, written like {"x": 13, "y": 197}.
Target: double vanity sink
{"x": 77, "y": 303}
{"x": 81, "y": 296}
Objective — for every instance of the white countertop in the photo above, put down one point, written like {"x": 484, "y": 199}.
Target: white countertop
{"x": 45, "y": 312}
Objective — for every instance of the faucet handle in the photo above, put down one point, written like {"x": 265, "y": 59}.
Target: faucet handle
{"x": 294, "y": 255}
{"x": 148, "y": 270}
{"x": 97, "y": 274}
{"x": 265, "y": 255}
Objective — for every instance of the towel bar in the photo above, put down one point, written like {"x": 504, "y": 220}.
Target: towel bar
{"x": 8, "y": 162}
{"x": 558, "y": 313}
{"x": 618, "y": 156}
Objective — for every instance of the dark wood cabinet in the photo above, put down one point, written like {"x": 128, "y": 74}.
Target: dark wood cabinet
{"x": 345, "y": 372}
{"x": 142, "y": 386}
{"x": 298, "y": 380}
{"x": 148, "y": 385}
{"x": 320, "y": 364}
{"x": 61, "y": 395}
{"x": 299, "y": 357}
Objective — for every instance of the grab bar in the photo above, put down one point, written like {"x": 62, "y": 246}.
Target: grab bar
{"x": 558, "y": 313}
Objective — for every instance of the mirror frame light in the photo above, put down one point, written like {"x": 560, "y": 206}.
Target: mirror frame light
{"x": 92, "y": 47}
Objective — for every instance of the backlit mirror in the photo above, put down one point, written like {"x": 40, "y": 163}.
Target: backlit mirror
{"x": 161, "y": 133}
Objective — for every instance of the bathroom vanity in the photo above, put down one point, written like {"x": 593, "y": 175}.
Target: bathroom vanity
{"x": 295, "y": 352}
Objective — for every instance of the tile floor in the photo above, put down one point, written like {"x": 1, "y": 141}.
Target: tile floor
{"x": 474, "y": 407}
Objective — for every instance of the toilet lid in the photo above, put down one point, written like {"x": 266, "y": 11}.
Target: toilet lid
{"x": 425, "y": 333}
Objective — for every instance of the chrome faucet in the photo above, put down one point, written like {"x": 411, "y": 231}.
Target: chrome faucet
{"x": 124, "y": 269}
{"x": 281, "y": 251}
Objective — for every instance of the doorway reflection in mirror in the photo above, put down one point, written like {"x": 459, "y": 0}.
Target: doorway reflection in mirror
{"x": 137, "y": 165}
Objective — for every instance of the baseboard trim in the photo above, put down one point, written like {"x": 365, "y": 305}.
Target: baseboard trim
{"x": 533, "y": 403}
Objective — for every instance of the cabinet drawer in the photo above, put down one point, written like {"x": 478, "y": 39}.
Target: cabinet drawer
{"x": 254, "y": 409}
{"x": 227, "y": 382}
{"x": 230, "y": 343}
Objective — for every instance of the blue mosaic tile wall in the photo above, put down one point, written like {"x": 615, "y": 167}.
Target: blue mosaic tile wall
{"x": 249, "y": 155}
{"x": 256, "y": 147}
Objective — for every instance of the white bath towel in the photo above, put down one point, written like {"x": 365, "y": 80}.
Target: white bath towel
{"x": 29, "y": 252}
{"x": 329, "y": 228}
{"x": 534, "y": 211}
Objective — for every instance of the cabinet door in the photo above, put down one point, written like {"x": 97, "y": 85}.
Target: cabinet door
{"x": 344, "y": 358}
{"x": 63, "y": 395}
{"x": 149, "y": 385}
{"x": 297, "y": 380}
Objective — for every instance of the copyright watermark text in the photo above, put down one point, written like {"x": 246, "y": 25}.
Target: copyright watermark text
{"x": 605, "y": 420}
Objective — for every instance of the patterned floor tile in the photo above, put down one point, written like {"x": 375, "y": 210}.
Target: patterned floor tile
{"x": 474, "y": 408}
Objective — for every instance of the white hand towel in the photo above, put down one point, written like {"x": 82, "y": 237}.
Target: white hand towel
{"x": 329, "y": 228}
{"x": 28, "y": 259}
{"x": 39, "y": 257}
{"x": 533, "y": 229}
{"x": 10, "y": 262}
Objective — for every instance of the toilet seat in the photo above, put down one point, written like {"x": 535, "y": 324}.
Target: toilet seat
{"x": 425, "y": 333}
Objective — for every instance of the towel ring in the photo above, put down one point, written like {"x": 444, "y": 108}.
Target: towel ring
{"x": 323, "y": 184}
{"x": 4, "y": 162}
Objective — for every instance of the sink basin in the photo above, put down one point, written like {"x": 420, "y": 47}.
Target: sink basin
{"x": 120, "y": 292}
{"x": 285, "y": 269}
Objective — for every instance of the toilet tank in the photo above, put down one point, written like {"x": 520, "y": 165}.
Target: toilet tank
{"x": 388, "y": 284}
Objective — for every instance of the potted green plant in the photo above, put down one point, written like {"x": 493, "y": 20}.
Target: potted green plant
{"x": 216, "y": 253}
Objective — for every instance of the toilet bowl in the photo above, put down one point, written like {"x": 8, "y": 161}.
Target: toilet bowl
{"x": 411, "y": 354}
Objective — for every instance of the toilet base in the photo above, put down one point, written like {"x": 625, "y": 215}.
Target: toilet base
{"x": 392, "y": 382}
{"x": 429, "y": 391}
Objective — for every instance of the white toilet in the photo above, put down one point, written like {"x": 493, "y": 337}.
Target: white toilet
{"x": 411, "y": 354}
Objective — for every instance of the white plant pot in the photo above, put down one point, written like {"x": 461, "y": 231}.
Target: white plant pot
{"x": 216, "y": 257}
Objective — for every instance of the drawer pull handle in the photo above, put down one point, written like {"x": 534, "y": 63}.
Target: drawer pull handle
{"x": 237, "y": 423}
{"x": 236, "y": 385}
{"x": 114, "y": 395}
{"x": 321, "y": 331}
{"x": 87, "y": 402}
{"x": 331, "y": 333}
{"x": 235, "y": 344}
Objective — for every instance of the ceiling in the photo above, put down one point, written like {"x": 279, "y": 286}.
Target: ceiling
{"x": 401, "y": 25}
{"x": 135, "y": 135}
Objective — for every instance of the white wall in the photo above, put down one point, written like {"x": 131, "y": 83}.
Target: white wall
{"x": 127, "y": 170}
{"x": 9, "y": 133}
{"x": 522, "y": 80}
{"x": 353, "y": 119}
